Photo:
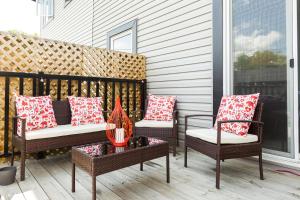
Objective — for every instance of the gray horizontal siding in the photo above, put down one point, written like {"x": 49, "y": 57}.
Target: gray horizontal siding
{"x": 72, "y": 23}
{"x": 175, "y": 36}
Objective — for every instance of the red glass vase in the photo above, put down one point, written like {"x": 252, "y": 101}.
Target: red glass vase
{"x": 119, "y": 126}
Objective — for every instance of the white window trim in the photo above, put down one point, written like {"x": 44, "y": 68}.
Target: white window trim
{"x": 227, "y": 46}
{"x": 227, "y": 78}
{"x": 132, "y": 25}
{"x": 41, "y": 11}
{"x": 296, "y": 79}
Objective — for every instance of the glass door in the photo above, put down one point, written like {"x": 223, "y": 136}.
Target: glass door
{"x": 261, "y": 49}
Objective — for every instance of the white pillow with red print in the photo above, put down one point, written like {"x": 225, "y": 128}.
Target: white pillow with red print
{"x": 37, "y": 111}
{"x": 86, "y": 110}
{"x": 237, "y": 107}
{"x": 160, "y": 108}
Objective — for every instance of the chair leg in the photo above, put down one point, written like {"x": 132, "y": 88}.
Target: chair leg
{"x": 12, "y": 156}
{"x": 185, "y": 156}
{"x": 261, "y": 173}
{"x": 218, "y": 172}
{"x": 174, "y": 150}
{"x": 141, "y": 166}
{"x": 23, "y": 158}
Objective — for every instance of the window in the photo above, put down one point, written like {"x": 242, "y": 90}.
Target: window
{"x": 45, "y": 9}
{"x": 123, "y": 38}
{"x": 122, "y": 42}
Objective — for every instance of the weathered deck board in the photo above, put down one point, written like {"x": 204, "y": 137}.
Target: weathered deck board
{"x": 63, "y": 178}
{"x": 30, "y": 188}
{"x": 85, "y": 180}
{"x": 12, "y": 191}
{"x": 51, "y": 179}
{"x": 48, "y": 183}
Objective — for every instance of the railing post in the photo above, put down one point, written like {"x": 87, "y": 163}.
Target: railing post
{"x": 41, "y": 80}
{"x": 134, "y": 96}
{"x": 105, "y": 96}
{"x": 41, "y": 83}
{"x": 144, "y": 96}
{"x": 127, "y": 97}
{"x": 113, "y": 93}
{"x": 6, "y": 116}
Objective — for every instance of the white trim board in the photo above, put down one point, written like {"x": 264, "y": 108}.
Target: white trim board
{"x": 227, "y": 72}
{"x": 281, "y": 161}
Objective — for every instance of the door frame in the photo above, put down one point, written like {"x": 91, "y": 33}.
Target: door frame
{"x": 228, "y": 73}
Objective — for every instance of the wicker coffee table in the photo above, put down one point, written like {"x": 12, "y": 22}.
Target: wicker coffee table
{"x": 100, "y": 158}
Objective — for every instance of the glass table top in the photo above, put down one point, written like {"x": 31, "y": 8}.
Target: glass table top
{"x": 106, "y": 148}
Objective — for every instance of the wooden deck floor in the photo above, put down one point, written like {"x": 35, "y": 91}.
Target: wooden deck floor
{"x": 51, "y": 179}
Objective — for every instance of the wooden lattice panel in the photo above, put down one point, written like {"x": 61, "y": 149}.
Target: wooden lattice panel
{"x": 17, "y": 53}
{"x": 56, "y": 57}
{"x": 20, "y": 53}
{"x": 2, "y": 104}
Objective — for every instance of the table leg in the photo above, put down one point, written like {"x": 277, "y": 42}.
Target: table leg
{"x": 73, "y": 177}
{"x": 141, "y": 166}
{"x": 94, "y": 188}
{"x": 168, "y": 168}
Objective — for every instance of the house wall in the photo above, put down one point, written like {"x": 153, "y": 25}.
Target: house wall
{"x": 175, "y": 36}
{"x": 72, "y": 23}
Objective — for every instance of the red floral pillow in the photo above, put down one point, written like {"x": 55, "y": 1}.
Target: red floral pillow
{"x": 37, "y": 111}
{"x": 160, "y": 108}
{"x": 86, "y": 110}
{"x": 237, "y": 107}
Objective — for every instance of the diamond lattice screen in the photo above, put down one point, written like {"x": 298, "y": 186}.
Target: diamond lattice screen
{"x": 19, "y": 53}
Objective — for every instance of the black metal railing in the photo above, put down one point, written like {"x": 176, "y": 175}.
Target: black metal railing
{"x": 41, "y": 85}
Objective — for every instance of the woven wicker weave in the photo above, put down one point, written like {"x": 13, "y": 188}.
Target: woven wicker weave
{"x": 37, "y": 145}
{"x": 167, "y": 134}
{"x": 97, "y": 165}
{"x": 228, "y": 151}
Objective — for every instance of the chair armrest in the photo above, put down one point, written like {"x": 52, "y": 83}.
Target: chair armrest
{"x": 134, "y": 114}
{"x": 241, "y": 121}
{"x": 133, "y": 119}
{"x": 196, "y": 115}
{"x": 175, "y": 117}
{"x": 199, "y": 115}
{"x": 15, "y": 126}
{"x": 259, "y": 131}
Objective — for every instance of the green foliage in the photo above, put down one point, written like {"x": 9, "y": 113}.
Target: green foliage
{"x": 260, "y": 59}
{"x": 18, "y": 32}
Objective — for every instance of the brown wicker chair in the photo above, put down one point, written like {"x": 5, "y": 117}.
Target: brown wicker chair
{"x": 167, "y": 134}
{"x": 219, "y": 151}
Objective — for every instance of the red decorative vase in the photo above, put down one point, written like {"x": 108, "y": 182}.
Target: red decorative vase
{"x": 119, "y": 126}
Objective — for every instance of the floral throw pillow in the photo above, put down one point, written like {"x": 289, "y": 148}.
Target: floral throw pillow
{"x": 160, "y": 108}
{"x": 37, "y": 111}
{"x": 237, "y": 107}
{"x": 86, "y": 110}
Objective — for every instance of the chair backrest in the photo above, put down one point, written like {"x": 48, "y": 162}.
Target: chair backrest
{"x": 256, "y": 117}
{"x": 146, "y": 106}
{"x": 62, "y": 112}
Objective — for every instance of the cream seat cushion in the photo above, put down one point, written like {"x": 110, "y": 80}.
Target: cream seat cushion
{"x": 154, "y": 124}
{"x": 210, "y": 135}
{"x": 64, "y": 130}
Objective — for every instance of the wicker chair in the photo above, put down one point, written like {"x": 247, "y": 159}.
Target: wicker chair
{"x": 168, "y": 133}
{"x": 220, "y": 149}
